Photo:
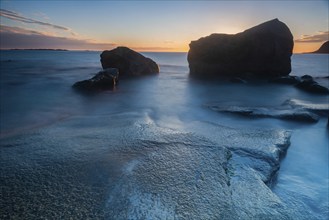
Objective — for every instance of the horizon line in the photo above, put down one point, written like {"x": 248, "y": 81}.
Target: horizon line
{"x": 87, "y": 50}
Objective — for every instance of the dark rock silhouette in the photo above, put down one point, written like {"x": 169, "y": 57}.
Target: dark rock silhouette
{"x": 263, "y": 51}
{"x": 307, "y": 77}
{"x": 309, "y": 85}
{"x": 103, "y": 80}
{"x": 129, "y": 62}
{"x": 323, "y": 49}
{"x": 305, "y": 83}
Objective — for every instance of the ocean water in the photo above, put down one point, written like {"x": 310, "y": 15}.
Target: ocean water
{"x": 37, "y": 101}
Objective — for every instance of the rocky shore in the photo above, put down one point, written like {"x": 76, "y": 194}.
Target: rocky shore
{"x": 147, "y": 171}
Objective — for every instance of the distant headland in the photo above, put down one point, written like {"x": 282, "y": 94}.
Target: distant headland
{"x": 323, "y": 49}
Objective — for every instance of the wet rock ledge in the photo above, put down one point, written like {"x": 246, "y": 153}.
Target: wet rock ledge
{"x": 291, "y": 109}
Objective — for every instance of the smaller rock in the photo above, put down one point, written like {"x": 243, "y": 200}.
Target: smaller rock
{"x": 306, "y": 77}
{"x": 103, "y": 80}
{"x": 129, "y": 62}
{"x": 309, "y": 85}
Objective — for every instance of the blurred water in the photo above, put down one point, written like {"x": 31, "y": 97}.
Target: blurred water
{"x": 312, "y": 64}
{"x": 35, "y": 92}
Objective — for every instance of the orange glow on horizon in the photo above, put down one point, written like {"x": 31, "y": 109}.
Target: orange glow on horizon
{"x": 306, "y": 47}
{"x": 298, "y": 48}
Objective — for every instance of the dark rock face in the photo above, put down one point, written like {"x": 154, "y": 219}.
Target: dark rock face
{"x": 103, "y": 80}
{"x": 324, "y": 48}
{"x": 263, "y": 51}
{"x": 129, "y": 62}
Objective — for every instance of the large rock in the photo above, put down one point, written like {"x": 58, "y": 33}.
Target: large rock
{"x": 129, "y": 62}
{"x": 263, "y": 51}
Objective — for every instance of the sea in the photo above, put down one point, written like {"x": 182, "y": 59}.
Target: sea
{"x": 52, "y": 137}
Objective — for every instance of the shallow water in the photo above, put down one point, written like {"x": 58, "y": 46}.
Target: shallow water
{"x": 47, "y": 128}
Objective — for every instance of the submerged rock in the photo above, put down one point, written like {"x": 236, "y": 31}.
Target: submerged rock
{"x": 129, "y": 62}
{"x": 263, "y": 51}
{"x": 263, "y": 112}
{"x": 306, "y": 77}
{"x": 309, "y": 85}
{"x": 318, "y": 108}
{"x": 306, "y": 83}
{"x": 103, "y": 80}
{"x": 292, "y": 109}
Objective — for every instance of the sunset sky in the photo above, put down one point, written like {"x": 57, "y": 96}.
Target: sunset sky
{"x": 152, "y": 25}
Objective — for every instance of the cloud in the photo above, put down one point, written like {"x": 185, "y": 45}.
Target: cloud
{"x": 20, "y": 38}
{"x": 18, "y": 30}
{"x": 17, "y": 17}
{"x": 316, "y": 38}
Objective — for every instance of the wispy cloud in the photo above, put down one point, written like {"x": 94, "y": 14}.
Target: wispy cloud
{"x": 17, "y": 17}
{"x": 52, "y": 36}
{"x": 321, "y": 36}
{"x": 20, "y": 38}
{"x": 18, "y": 30}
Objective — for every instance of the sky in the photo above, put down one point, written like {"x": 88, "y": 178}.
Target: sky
{"x": 166, "y": 26}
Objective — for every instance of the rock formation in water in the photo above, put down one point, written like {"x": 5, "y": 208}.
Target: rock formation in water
{"x": 103, "y": 80}
{"x": 323, "y": 49}
{"x": 292, "y": 109}
{"x": 129, "y": 62}
{"x": 311, "y": 86}
{"x": 263, "y": 51}
{"x": 305, "y": 83}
